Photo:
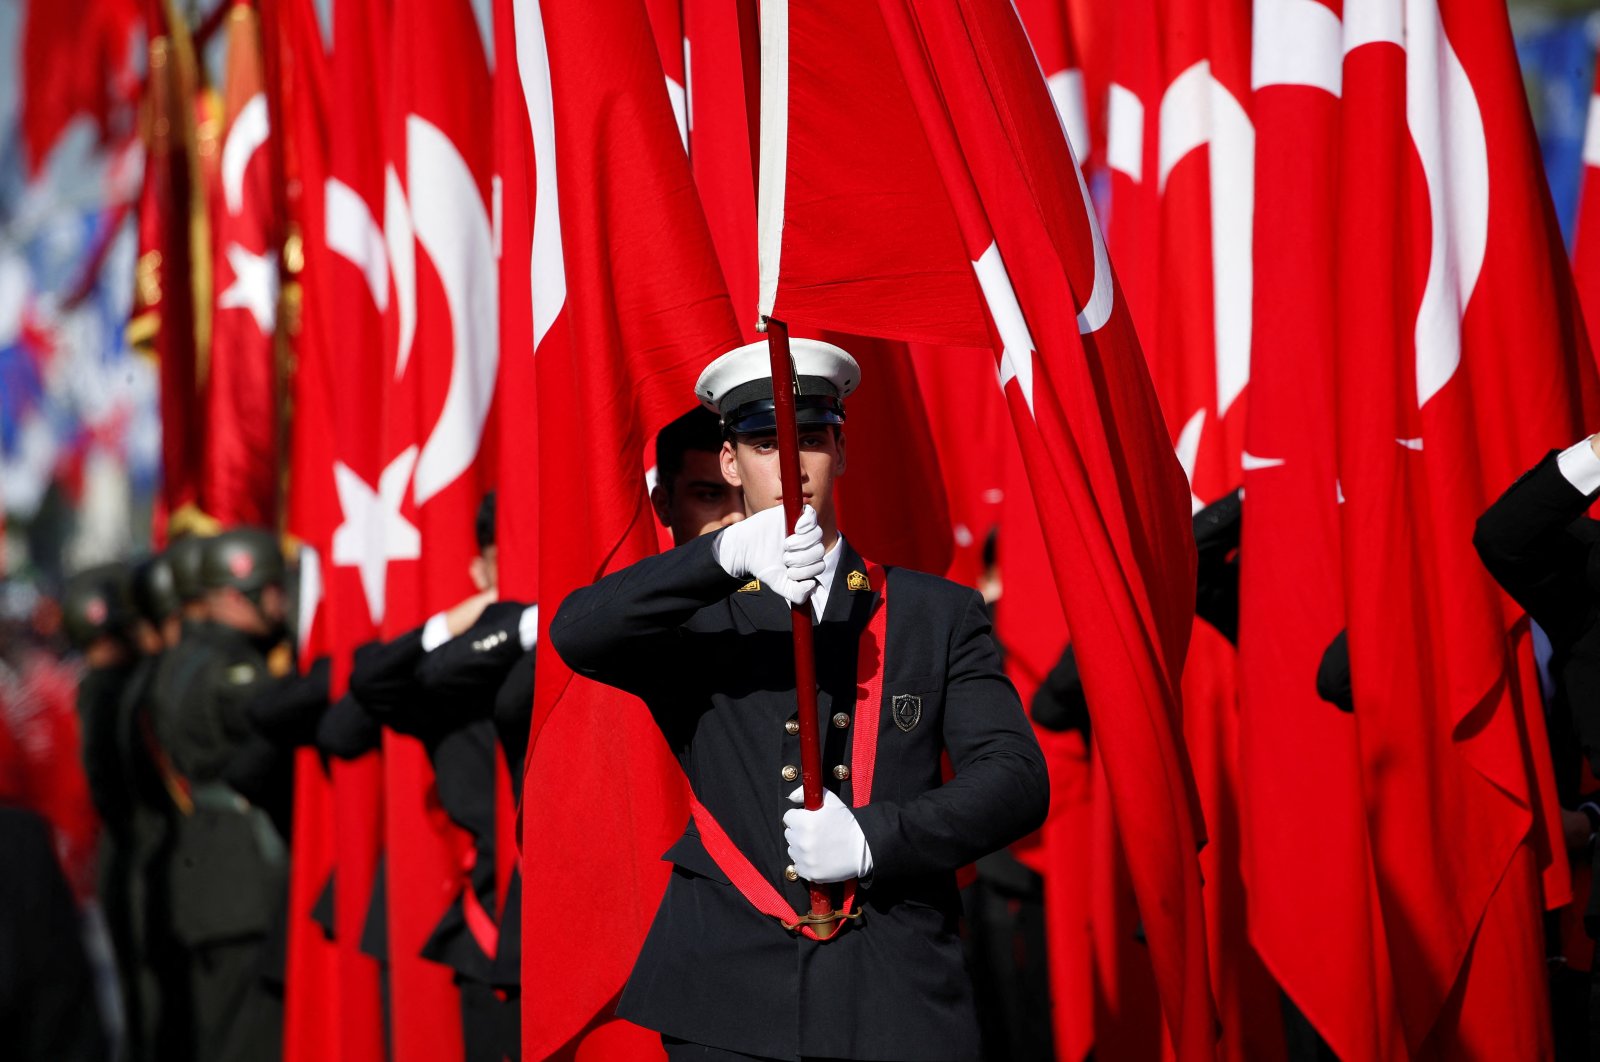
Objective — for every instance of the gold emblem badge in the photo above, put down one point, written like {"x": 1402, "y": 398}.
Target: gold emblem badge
{"x": 858, "y": 581}
{"x": 752, "y": 587}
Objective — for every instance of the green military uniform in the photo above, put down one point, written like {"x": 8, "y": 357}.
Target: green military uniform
{"x": 228, "y": 875}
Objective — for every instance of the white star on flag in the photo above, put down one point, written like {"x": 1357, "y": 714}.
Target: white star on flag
{"x": 1016, "y": 357}
{"x": 254, "y": 287}
{"x": 374, "y": 532}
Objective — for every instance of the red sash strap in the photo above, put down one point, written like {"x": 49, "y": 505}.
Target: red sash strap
{"x": 751, "y": 883}
{"x": 480, "y": 923}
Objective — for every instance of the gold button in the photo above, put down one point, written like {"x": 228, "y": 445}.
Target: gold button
{"x": 790, "y": 873}
{"x": 790, "y": 773}
{"x": 792, "y": 726}
{"x": 841, "y": 720}
{"x": 841, "y": 772}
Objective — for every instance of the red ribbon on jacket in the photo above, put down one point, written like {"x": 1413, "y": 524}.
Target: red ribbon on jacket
{"x": 743, "y": 875}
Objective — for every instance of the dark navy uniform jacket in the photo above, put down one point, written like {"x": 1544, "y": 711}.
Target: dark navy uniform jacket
{"x": 714, "y": 663}
{"x": 446, "y": 699}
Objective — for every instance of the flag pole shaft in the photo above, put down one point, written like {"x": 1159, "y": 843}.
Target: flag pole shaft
{"x": 805, "y": 666}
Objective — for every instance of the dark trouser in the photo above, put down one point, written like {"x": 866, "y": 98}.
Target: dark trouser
{"x": 238, "y": 1016}
{"x": 1300, "y": 1038}
{"x": 491, "y": 1027}
{"x": 1007, "y": 957}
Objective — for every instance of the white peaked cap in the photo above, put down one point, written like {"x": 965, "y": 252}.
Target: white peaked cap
{"x": 815, "y": 362}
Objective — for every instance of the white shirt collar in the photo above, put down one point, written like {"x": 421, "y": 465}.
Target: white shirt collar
{"x": 830, "y": 567}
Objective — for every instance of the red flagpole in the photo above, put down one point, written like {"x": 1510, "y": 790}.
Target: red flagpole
{"x": 805, "y": 667}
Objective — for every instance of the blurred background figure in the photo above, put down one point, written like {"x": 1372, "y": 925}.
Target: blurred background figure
{"x": 57, "y": 996}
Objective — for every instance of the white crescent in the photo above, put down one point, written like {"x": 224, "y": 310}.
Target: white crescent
{"x": 452, "y": 226}
{"x": 245, "y": 137}
{"x": 548, "y": 267}
{"x": 1446, "y": 124}
{"x": 1198, "y": 110}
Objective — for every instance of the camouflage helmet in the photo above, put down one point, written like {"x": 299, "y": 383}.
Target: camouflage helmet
{"x": 153, "y": 587}
{"x": 183, "y": 556}
{"x": 245, "y": 558}
{"x": 95, "y": 604}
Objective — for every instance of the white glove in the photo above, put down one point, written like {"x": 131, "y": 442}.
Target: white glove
{"x": 826, "y": 845}
{"x": 759, "y": 546}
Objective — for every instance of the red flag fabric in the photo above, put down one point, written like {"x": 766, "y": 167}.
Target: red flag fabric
{"x": 168, "y": 299}
{"x": 724, "y": 68}
{"x": 1586, "y": 240}
{"x": 628, "y": 305}
{"x": 1133, "y": 115}
{"x": 968, "y": 434}
{"x": 1049, "y": 26}
{"x": 517, "y": 503}
{"x": 75, "y": 62}
{"x": 239, "y": 467}
{"x": 893, "y": 462}
{"x": 444, "y": 320}
{"x": 1298, "y": 755}
{"x": 1460, "y": 360}
{"x": 952, "y": 212}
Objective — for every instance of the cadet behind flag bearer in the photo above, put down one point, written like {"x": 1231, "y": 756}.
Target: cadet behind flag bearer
{"x": 702, "y": 634}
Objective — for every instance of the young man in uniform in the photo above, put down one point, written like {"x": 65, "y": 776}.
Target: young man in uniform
{"x": 702, "y": 634}
{"x": 690, "y": 496}
{"x": 437, "y": 683}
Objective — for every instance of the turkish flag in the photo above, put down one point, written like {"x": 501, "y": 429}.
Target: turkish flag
{"x": 1296, "y": 751}
{"x": 1198, "y": 345}
{"x": 334, "y": 1004}
{"x": 1460, "y": 360}
{"x": 952, "y": 212}
{"x": 444, "y": 322}
{"x": 240, "y": 464}
{"x": 628, "y": 304}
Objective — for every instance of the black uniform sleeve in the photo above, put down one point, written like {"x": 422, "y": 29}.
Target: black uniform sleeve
{"x": 1000, "y": 791}
{"x": 347, "y": 731}
{"x": 383, "y": 675}
{"x": 1525, "y": 543}
{"x": 622, "y": 629}
{"x": 474, "y": 664}
{"x": 285, "y": 710}
{"x": 1059, "y": 703}
{"x": 1333, "y": 674}
{"x": 513, "y": 714}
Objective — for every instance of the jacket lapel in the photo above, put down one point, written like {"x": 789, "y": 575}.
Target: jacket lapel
{"x": 763, "y": 609}
{"x": 847, "y": 615}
